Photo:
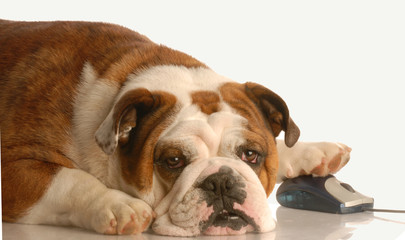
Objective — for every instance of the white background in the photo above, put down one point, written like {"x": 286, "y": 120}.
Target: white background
{"x": 339, "y": 65}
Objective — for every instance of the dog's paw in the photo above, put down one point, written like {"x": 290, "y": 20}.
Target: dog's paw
{"x": 117, "y": 213}
{"x": 312, "y": 158}
{"x": 321, "y": 159}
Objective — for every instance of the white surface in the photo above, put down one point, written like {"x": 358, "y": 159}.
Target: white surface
{"x": 338, "y": 64}
{"x": 292, "y": 224}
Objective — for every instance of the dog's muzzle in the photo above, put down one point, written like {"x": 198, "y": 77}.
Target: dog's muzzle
{"x": 218, "y": 196}
{"x": 222, "y": 190}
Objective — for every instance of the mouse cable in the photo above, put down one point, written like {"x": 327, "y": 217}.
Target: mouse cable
{"x": 384, "y": 210}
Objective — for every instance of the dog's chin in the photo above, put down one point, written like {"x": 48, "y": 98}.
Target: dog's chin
{"x": 230, "y": 219}
{"x": 214, "y": 230}
{"x": 231, "y": 222}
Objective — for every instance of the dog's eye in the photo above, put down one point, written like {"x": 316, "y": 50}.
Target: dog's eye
{"x": 249, "y": 156}
{"x": 175, "y": 162}
{"x": 170, "y": 158}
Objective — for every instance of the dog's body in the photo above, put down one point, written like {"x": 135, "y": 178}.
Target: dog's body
{"x": 99, "y": 126}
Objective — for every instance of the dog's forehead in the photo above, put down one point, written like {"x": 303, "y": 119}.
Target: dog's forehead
{"x": 192, "y": 124}
{"x": 177, "y": 80}
{"x": 195, "y": 89}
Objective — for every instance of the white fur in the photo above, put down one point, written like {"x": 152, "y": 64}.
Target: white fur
{"x": 92, "y": 103}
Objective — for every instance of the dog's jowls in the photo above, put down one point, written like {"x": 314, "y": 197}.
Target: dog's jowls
{"x": 105, "y": 130}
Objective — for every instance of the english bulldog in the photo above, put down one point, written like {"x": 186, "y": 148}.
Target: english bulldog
{"x": 105, "y": 130}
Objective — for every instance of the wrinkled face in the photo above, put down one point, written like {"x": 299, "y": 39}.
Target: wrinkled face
{"x": 199, "y": 149}
{"x": 210, "y": 164}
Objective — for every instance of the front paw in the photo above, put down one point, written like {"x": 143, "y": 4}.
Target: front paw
{"x": 118, "y": 213}
{"x": 325, "y": 158}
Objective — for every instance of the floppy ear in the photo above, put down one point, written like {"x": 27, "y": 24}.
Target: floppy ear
{"x": 122, "y": 118}
{"x": 275, "y": 110}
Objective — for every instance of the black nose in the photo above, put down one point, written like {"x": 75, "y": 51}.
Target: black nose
{"x": 223, "y": 189}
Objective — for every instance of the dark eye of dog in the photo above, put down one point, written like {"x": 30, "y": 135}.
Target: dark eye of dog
{"x": 250, "y": 156}
{"x": 175, "y": 162}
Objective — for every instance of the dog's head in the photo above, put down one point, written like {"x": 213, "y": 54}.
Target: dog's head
{"x": 199, "y": 148}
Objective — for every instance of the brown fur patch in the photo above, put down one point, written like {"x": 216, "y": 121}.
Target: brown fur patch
{"x": 319, "y": 170}
{"x": 335, "y": 162}
{"x": 137, "y": 155}
{"x": 275, "y": 111}
{"x": 207, "y": 101}
{"x": 23, "y": 183}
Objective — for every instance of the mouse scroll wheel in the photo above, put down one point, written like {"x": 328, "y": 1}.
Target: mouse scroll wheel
{"x": 347, "y": 187}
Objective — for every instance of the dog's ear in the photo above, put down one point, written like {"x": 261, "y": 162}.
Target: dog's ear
{"x": 275, "y": 110}
{"x": 122, "y": 118}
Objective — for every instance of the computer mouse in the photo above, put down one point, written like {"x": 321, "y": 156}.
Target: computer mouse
{"x": 324, "y": 194}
